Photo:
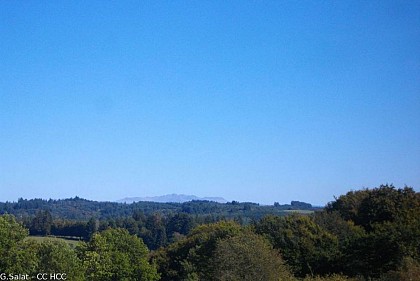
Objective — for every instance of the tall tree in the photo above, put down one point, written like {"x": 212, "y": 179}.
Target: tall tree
{"x": 391, "y": 219}
{"x": 11, "y": 236}
{"x": 57, "y": 257}
{"x": 190, "y": 258}
{"x": 41, "y": 223}
{"x": 307, "y": 247}
{"x": 248, "y": 257}
{"x": 179, "y": 224}
{"x": 92, "y": 227}
{"x": 114, "y": 255}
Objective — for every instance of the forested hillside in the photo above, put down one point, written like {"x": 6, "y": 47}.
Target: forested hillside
{"x": 370, "y": 234}
{"x": 81, "y": 209}
{"x": 156, "y": 223}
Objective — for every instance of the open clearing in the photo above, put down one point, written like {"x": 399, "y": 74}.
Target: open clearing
{"x": 73, "y": 243}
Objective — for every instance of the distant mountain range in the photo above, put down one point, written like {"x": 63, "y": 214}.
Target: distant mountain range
{"x": 177, "y": 198}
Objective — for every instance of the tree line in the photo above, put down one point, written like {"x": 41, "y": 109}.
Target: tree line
{"x": 369, "y": 234}
{"x": 82, "y": 210}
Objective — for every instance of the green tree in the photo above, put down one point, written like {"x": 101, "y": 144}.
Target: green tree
{"x": 57, "y": 256}
{"x": 248, "y": 256}
{"x": 348, "y": 235}
{"x": 154, "y": 233}
{"x": 190, "y": 258}
{"x": 116, "y": 255}
{"x": 23, "y": 258}
{"x": 92, "y": 227}
{"x": 306, "y": 247}
{"x": 179, "y": 223}
{"x": 11, "y": 238}
{"x": 408, "y": 271}
{"x": 41, "y": 223}
{"x": 390, "y": 218}
{"x": 372, "y": 206}
{"x": 11, "y": 232}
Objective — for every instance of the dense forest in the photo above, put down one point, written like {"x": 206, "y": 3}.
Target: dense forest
{"x": 369, "y": 234}
{"x": 156, "y": 223}
{"x": 82, "y": 209}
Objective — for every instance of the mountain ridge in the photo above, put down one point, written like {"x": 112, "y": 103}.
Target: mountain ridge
{"x": 171, "y": 198}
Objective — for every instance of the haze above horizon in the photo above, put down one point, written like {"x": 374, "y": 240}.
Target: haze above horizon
{"x": 251, "y": 101}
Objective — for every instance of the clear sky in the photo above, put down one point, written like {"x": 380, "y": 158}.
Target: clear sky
{"x": 257, "y": 101}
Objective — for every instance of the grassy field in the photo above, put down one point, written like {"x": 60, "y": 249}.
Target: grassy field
{"x": 72, "y": 242}
{"x": 305, "y": 212}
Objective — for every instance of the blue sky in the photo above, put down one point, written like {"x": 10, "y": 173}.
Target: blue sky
{"x": 257, "y": 101}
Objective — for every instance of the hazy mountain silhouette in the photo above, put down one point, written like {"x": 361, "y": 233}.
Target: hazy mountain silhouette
{"x": 178, "y": 198}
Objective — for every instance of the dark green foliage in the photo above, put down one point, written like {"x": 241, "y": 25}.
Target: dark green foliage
{"x": 307, "y": 247}
{"x": 191, "y": 257}
{"x": 156, "y": 223}
{"x": 41, "y": 223}
{"x": 92, "y": 227}
{"x": 74, "y": 229}
{"x": 156, "y": 234}
{"x": 248, "y": 256}
{"x": 378, "y": 205}
{"x": 82, "y": 210}
{"x": 335, "y": 224}
{"x": 300, "y": 205}
{"x": 408, "y": 271}
{"x": 347, "y": 234}
{"x": 390, "y": 219}
{"x": 179, "y": 224}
